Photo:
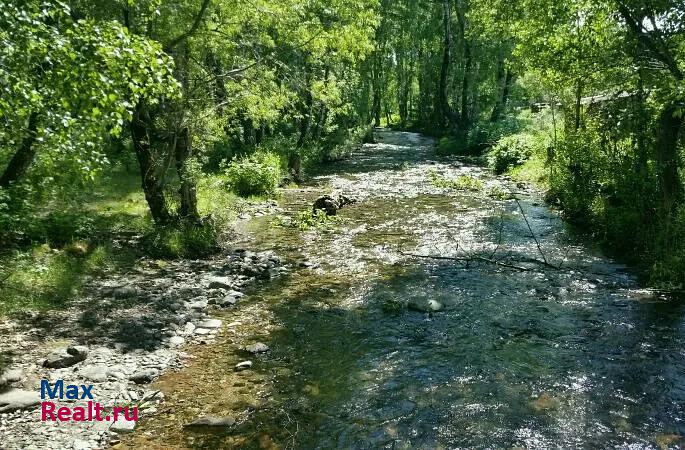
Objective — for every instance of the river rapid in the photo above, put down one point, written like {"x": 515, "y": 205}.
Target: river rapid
{"x": 568, "y": 354}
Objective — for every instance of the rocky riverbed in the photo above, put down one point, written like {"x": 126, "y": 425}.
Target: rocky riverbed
{"x": 120, "y": 336}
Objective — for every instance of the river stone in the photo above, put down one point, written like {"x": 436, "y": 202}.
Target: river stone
{"x": 202, "y": 331}
{"x": 12, "y": 376}
{"x": 144, "y": 376}
{"x": 211, "y": 422}
{"x": 16, "y": 399}
{"x": 243, "y": 365}
{"x": 423, "y": 305}
{"x": 66, "y": 357}
{"x": 123, "y": 426}
{"x": 210, "y": 323}
{"x": 227, "y": 301}
{"x": 176, "y": 340}
{"x": 220, "y": 282}
{"x": 199, "y": 305}
{"x": 96, "y": 373}
{"x": 259, "y": 347}
{"x": 122, "y": 292}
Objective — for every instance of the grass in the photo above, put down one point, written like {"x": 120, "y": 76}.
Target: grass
{"x": 462, "y": 183}
{"x": 77, "y": 240}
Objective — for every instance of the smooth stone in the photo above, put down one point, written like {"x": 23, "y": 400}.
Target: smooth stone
{"x": 189, "y": 328}
{"x": 243, "y": 365}
{"x": 227, "y": 301}
{"x": 236, "y": 294}
{"x": 211, "y": 422}
{"x": 199, "y": 305}
{"x": 176, "y": 340}
{"x": 201, "y": 331}
{"x": 96, "y": 373}
{"x": 123, "y": 426}
{"x": 259, "y": 347}
{"x": 16, "y": 399}
{"x": 220, "y": 282}
{"x": 13, "y": 375}
{"x": 211, "y": 323}
{"x": 144, "y": 376}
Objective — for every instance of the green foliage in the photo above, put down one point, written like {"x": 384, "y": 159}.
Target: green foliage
{"x": 308, "y": 219}
{"x": 258, "y": 174}
{"x": 462, "y": 183}
{"x": 80, "y": 79}
{"x": 510, "y": 151}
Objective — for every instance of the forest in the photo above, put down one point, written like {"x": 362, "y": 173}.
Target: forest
{"x": 145, "y": 136}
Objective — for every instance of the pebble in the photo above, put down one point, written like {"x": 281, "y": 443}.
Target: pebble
{"x": 144, "y": 376}
{"x": 243, "y": 365}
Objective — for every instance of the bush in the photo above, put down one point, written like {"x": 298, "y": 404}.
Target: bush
{"x": 510, "y": 151}
{"x": 258, "y": 174}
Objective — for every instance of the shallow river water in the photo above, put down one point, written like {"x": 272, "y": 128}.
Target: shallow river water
{"x": 569, "y": 357}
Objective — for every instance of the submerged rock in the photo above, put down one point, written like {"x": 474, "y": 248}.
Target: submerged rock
{"x": 423, "y": 305}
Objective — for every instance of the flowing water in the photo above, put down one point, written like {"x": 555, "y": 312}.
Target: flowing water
{"x": 530, "y": 356}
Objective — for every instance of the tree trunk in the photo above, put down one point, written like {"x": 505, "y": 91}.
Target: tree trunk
{"x": 670, "y": 123}
{"x": 447, "y": 113}
{"x": 468, "y": 63}
{"x": 376, "y": 103}
{"x": 141, "y": 134}
{"x": 23, "y": 158}
{"x": 188, "y": 190}
{"x": 579, "y": 96}
{"x": 500, "y": 82}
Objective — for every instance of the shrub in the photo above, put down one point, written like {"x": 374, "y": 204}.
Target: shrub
{"x": 510, "y": 151}
{"x": 258, "y": 174}
{"x": 462, "y": 183}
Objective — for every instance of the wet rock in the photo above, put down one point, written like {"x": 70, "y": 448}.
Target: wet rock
{"x": 545, "y": 402}
{"x": 423, "y": 305}
{"x": 243, "y": 365}
{"x": 259, "y": 347}
{"x": 205, "y": 422}
{"x": 66, "y": 357}
{"x": 16, "y": 399}
{"x": 144, "y": 376}
{"x": 331, "y": 203}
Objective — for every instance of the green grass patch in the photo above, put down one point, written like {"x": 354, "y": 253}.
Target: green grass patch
{"x": 462, "y": 183}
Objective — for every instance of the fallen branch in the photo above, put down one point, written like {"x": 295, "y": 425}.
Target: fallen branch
{"x": 468, "y": 259}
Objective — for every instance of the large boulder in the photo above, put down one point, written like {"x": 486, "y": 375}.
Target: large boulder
{"x": 331, "y": 203}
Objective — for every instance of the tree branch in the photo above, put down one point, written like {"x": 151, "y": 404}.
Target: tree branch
{"x": 196, "y": 24}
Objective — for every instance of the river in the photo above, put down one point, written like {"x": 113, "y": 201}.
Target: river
{"x": 572, "y": 354}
